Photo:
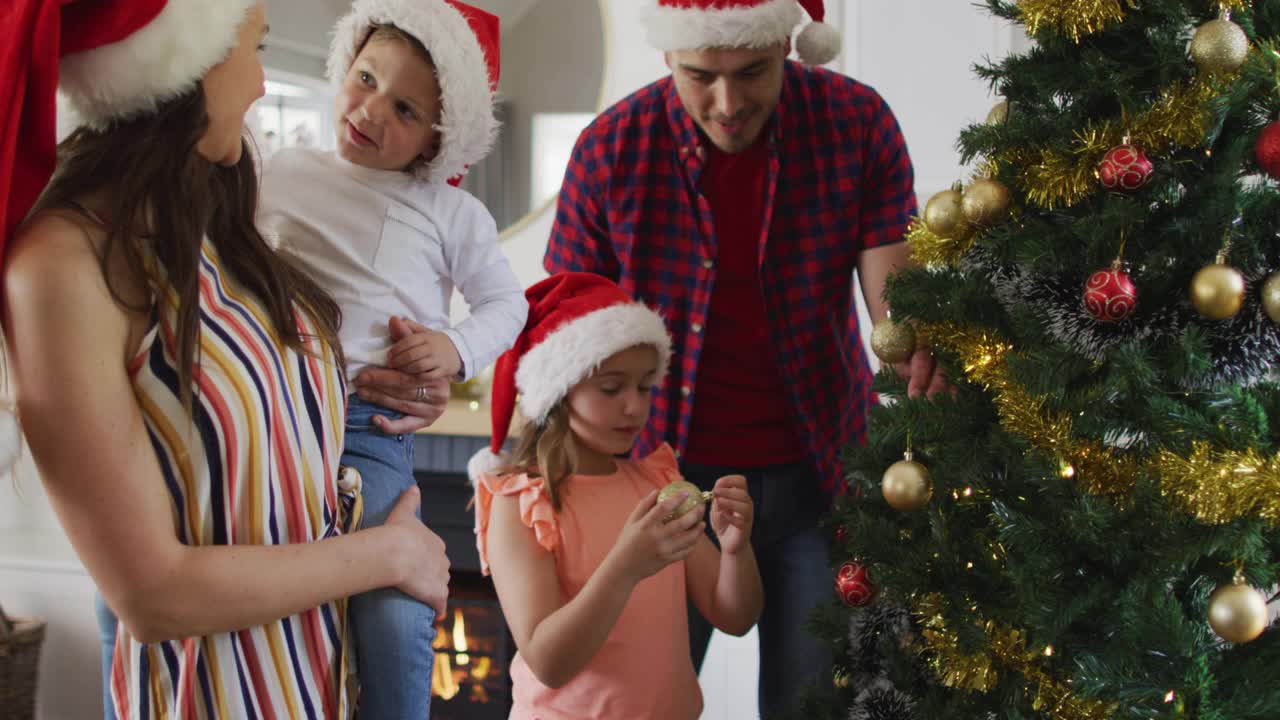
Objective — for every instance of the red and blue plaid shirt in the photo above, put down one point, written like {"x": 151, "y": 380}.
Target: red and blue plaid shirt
{"x": 839, "y": 181}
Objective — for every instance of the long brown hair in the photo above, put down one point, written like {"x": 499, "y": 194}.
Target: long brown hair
{"x": 547, "y": 450}
{"x": 161, "y": 199}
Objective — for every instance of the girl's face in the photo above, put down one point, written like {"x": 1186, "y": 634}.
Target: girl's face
{"x": 388, "y": 108}
{"x": 230, "y": 87}
{"x": 608, "y": 410}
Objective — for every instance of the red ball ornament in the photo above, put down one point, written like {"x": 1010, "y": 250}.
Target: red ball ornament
{"x": 1110, "y": 295}
{"x": 841, "y": 533}
{"x": 1125, "y": 168}
{"x": 1268, "y": 149}
{"x": 853, "y": 586}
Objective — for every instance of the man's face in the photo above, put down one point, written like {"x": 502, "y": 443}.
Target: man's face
{"x": 729, "y": 92}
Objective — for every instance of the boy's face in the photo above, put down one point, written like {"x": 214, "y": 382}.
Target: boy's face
{"x": 388, "y": 108}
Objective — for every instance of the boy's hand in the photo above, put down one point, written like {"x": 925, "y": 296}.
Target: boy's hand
{"x": 427, "y": 355}
{"x": 732, "y": 514}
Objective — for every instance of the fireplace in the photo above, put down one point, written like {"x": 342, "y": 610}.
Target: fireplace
{"x": 474, "y": 648}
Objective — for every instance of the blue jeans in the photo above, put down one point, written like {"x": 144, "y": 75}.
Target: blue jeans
{"x": 107, "y": 636}
{"x": 393, "y": 632}
{"x": 792, "y": 556}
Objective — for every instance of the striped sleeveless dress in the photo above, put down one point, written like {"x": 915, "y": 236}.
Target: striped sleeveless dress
{"x": 257, "y": 465}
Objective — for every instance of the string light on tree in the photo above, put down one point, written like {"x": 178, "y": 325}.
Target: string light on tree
{"x": 1237, "y": 612}
{"x": 906, "y": 484}
{"x": 1219, "y": 46}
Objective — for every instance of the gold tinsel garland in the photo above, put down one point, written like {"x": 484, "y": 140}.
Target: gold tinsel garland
{"x": 1219, "y": 486}
{"x": 929, "y": 249}
{"x": 1073, "y": 19}
{"x": 1005, "y": 652}
{"x": 1212, "y": 485}
{"x": 985, "y": 360}
{"x": 1054, "y": 178}
{"x": 1078, "y": 18}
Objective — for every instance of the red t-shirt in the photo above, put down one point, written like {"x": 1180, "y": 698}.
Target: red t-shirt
{"x": 741, "y": 412}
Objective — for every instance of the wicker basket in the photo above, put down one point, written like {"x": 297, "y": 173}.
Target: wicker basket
{"x": 20, "y": 641}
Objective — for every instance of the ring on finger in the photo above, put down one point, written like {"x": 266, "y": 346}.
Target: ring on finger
{"x": 421, "y": 395}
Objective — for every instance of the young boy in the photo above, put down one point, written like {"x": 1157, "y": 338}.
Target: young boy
{"x": 379, "y": 224}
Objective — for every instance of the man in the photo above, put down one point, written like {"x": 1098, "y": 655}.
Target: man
{"x": 738, "y": 196}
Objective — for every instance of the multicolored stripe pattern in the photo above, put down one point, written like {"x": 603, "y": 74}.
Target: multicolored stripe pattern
{"x": 255, "y": 462}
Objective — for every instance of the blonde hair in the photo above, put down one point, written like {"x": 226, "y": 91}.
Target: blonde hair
{"x": 546, "y": 450}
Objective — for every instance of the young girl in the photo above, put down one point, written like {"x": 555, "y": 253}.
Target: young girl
{"x": 378, "y": 224}
{"x": 593, "y": 583}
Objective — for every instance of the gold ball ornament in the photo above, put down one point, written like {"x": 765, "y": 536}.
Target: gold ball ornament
{"x": 892, "y": 342}
{"x": 1271, "y": 297}
{"x": 999, "y": 113}
{"x": 1217, "y": 291}
{"x": 1219, "y": 46}
{"x": 695, "y": 498}
{"x": 1237, "y": 612}
{"x": 906, "y": 485}
{"x": 942, "y": 214}
{"x": 985, "y": 202}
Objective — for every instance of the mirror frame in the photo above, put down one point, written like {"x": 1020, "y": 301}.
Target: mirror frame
{"x": 606, "y": 68}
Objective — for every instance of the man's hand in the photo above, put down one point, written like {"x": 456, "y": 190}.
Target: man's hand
{"x": 922, "y": 374}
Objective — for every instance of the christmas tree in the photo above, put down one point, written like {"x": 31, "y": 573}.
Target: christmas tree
{"x": 1089, "y": 527}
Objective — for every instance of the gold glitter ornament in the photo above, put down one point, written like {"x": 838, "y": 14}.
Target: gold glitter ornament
{"x": 695, "y": 498}
{"x": 930, "y": 249}
{"x": 942, "y": 214}
{"x": 1237, "y": 612}
{"x": 1271, "y": 297}
{"x": 1217, "y": 291}
{"x": 985, "y": 202}
{"x": 906, "y": 485}
{"x": 1219, "y": 46}
{"x": 999, "y": 114}
{"x": 892, "y": 342}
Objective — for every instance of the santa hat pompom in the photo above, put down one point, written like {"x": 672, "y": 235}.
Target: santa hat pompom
{"x": 818, "y": 43}
{"x": 484, "y": 462}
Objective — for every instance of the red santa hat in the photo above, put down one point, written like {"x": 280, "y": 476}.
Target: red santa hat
{"x": 463, "y": 42}
{"x": 111, "y": 60}
{"x": 701, "y": 24}
{"x": 576, "y": 322}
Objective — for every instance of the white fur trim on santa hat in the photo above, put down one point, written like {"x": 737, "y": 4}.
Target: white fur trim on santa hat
{"x": 467, "y": 126}
{"x": 157, "y": 63}
{"x": 483, "y": 462}
{"x": 762, "y": 25}
{"x": 575, "y": 350}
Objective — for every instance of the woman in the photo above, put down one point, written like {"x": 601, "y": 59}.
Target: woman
{"x": 198, "y": 378}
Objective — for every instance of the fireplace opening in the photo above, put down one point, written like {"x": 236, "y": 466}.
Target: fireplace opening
{"x": 473, "y": 651}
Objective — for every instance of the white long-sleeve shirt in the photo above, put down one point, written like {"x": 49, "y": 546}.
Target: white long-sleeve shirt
{"x": 384, "y": 244}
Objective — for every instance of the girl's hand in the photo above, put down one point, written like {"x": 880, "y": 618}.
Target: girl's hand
{"x": 647, "y": 545}
{"x": 425, "y": 354}
{"x": 732, "y": 513}
{"x": 424, "y": 567}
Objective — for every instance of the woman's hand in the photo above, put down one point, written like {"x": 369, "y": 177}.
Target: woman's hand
{"x": 421, "y": 402}
{"x": 732, "y": 513}
{"x": 647, "y": 544}
{"x": 424, "y": 575}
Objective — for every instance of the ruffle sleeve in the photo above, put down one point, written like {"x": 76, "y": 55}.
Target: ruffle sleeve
{"x": 661, "y": 466}
{"x": 536, "y": 511}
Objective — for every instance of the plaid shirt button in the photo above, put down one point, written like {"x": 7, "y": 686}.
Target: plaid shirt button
{"x": 696, "y": 327}
{"x": 708, "y": 263}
